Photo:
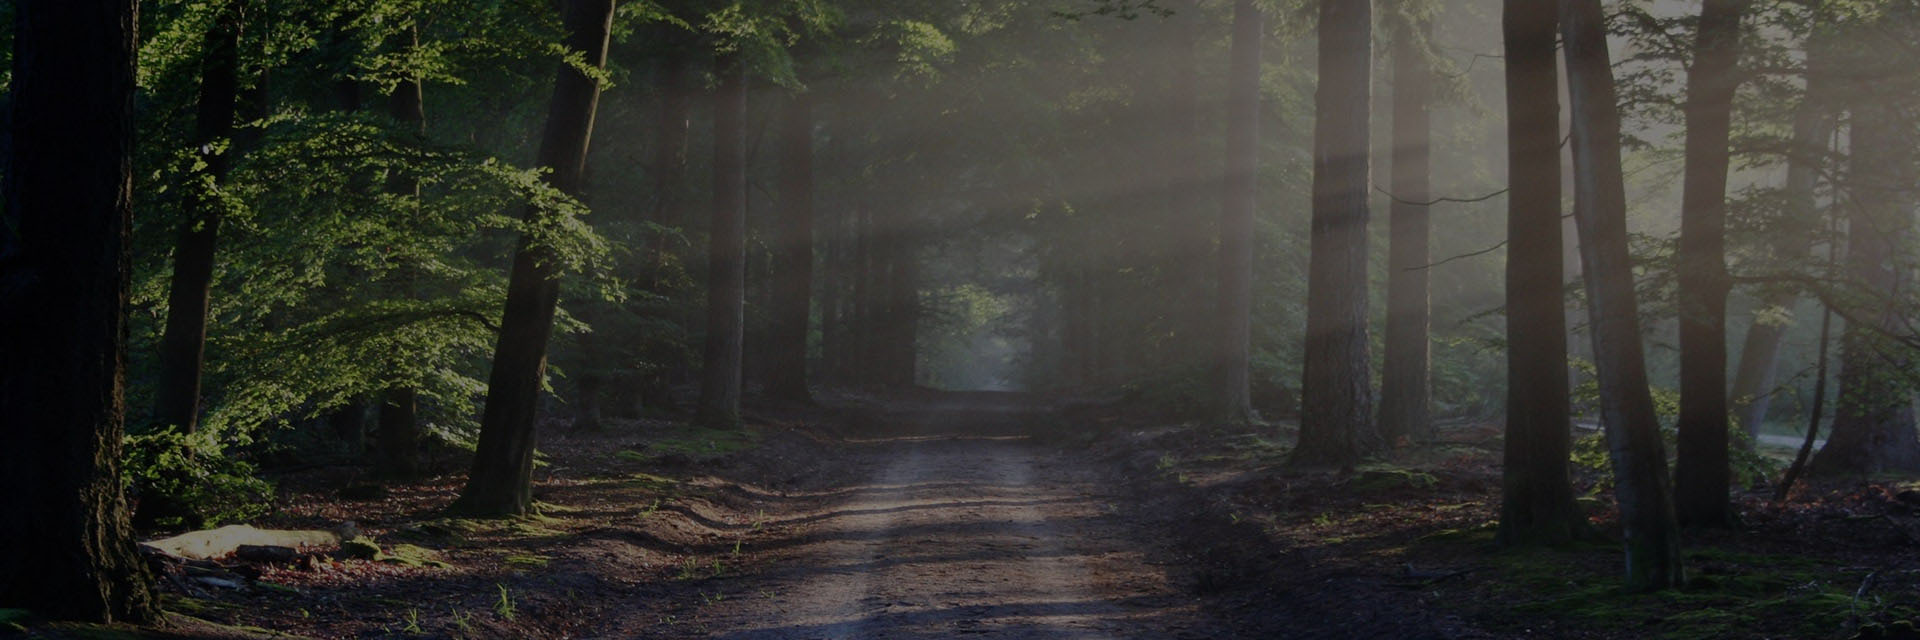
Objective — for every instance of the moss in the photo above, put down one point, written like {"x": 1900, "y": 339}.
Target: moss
{"x": 1732, "y": 594}
{"x": 414, "y": 556}
{"x": 358, "y": 548}
{"x": 695, "y": 443}
{"x": 652, "y": 483}
{"x": 529, "y": 561}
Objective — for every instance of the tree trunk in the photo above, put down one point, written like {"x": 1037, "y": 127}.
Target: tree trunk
{"x": 183, "y": 342}
{"x": 1405, "y": 377}
{"x": 1813, "y": 126}
{"x": 833, "y": 317}
{"x": 64, "y": 271}
{"x": 1239, "y": 190}
{"x": 501, "y": 482}
{"x": 793, "y": 256}
{"x": 1701, "y": 471}
{"x": 903, "y": 311}
{"x": 1641, "y": 484}
{"x": 1336, "y": 397}
{"x": 1189, "y": 283}
{"x": 399, "y": 428}
{"x": 859, "y": 342}
{"x": 349, "y": 424}
{"x": 1537, "y": 505}
{"x": 726, "y": 253}
{"x": 1873, "y": 420}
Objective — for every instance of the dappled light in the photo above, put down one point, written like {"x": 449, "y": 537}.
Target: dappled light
{"x": 1024, "y": 319}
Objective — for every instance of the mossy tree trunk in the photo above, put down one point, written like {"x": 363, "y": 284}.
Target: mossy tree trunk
{"x": 65, "y": 267}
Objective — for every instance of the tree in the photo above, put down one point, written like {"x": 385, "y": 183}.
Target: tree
{"x": 501, "y": 480}
{"x": 183, "y": 344}
{"x": 1873, "y": 421}
{"x": 726, "y": 249}
{"x": 399, "y": 425}
{"x": 65, "y": 270}
{"x": 786, "y": 377}
{"x": 1239, "y": 189}
{"x": 1701, "y": 472}
{"x": 1336, "y": 394}
{"x": 1405, "y": 377}
{"x": 1813, "y": 126}
{"x": 1537, "y": 504}
{"x": 1641, "y": 484}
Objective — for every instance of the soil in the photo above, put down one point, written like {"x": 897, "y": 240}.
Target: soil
{"x": 1010, "y": 516}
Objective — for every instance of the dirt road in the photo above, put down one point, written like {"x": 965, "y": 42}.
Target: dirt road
{"x": 959, "y": 537}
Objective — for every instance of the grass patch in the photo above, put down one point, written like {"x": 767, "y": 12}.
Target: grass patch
{"x": 693, "y": 442}
{"x": 1731, "y": 594}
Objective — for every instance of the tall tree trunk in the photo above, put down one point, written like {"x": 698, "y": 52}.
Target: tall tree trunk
{"x": 65, "y": 266}
{"x": 1237, "y": 198}
{"x": 903, "y": 310}
{"x": 1873, "y": 421}
{"x": 860, "y": 342}
{"x": 1405, "y": 377}
{"x": 1641, "y": 484}
{"x": 398, "y": 424}
{"x": 1813, "y": 126}
{"x": 833, "y": 316}
{"x": 183, "y": 342}
{"x": 726, "y": 253}
{"x": 501, "y": 482}
{"x": 1193, "y": 243}
{"x": 1336, "y": 397}
{"x": 793, "y": 256}
{"x": 1701, "y": 471}
{"x": 1537, "y": 505}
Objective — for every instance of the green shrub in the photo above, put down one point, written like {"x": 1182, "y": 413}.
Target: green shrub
{"x": 184, "y": 480}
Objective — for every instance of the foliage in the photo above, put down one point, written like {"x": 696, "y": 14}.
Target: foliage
{"x": 199, "y": 485}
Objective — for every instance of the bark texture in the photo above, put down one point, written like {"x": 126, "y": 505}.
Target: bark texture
{"x": 183, "y": 341}
{"x": 726, "y": 251}
{"x": 1537, "y": 505}
{"x": 1336, "y": 394}
{"x": 64, "y": 271}
{"x": 1406, "y": 388}
{"x": 1641, "y": 485}
{"x": 1233, "y": 355}
{"x": 501, "y": 481}
{"x": 1701, "y": 472}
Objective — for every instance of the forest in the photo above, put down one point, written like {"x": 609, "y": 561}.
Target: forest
{"x": 784, "y": 319}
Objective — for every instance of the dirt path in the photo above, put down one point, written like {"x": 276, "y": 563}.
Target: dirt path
{"x": 954, "y": 537}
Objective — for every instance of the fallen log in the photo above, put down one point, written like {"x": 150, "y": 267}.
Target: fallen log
{"x": 215, "y": 543}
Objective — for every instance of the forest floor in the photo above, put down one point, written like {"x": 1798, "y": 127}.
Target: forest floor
{"x": 992, "y": 515}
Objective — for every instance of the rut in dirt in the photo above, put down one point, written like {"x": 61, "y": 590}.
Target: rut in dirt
{"x": 963, "y": 536}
